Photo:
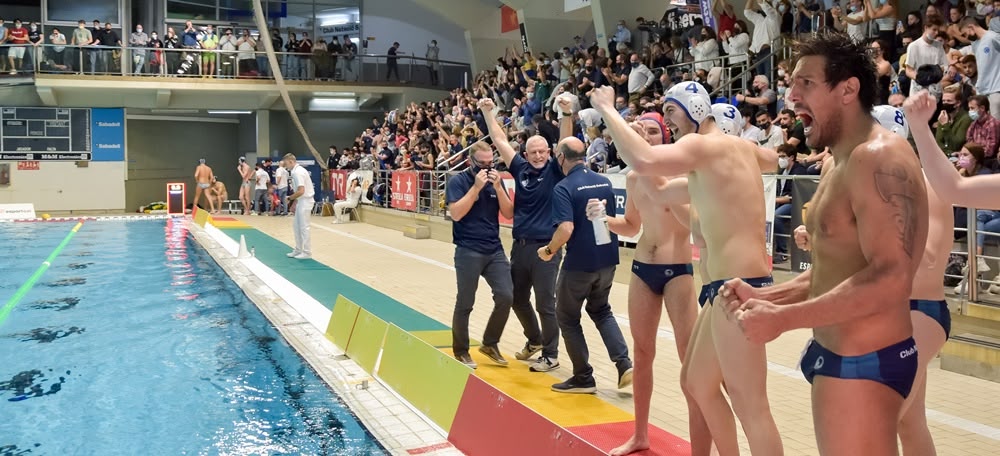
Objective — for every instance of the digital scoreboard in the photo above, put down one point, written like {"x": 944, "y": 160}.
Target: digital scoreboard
{"x": 45, "y": 134}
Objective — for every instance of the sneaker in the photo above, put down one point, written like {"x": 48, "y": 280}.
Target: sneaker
{"x": 467, "y": 360}
{"x": 528, "y": 351}
{"x": 995, "y": 288}
{"x": 981, "y": 266}
{"x": 544, "y": 364}
{"x": 576, "y": 386}
{"x": 625, "y": 378}
{"x": 493, "y": 354}
{"x": 293, "y": 254}
{"x": 302, "y": 256}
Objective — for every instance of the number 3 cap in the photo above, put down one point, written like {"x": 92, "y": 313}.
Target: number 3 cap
{"x": 891, "y": 119}
{"x": 729, "y": 120}
{"x": 692, "y": 98}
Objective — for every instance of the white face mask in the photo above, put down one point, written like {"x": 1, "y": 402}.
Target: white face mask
{"x": 781, "y": 73}
{"x": 138, "y": 30}
{"x": 783, "y": 162}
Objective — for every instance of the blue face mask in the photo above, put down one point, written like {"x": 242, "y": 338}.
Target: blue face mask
{"x": 974, "y": 115}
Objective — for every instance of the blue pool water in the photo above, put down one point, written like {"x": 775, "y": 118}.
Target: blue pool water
{"x": 136, "y": 342}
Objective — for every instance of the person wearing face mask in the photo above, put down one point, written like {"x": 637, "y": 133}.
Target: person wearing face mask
{"x": 736, "y": 43}
{"x": 433, "y": 66}
{"x": 138, "y": 41}
{"x": 35, "y": 55}
{"x": 639, "y": 79}
{"x": 474, "y": 199}
{"x": 788, "y": 165}
{"x": 985, "y": 128}
{"x": 155, "y": 54}
{"x": 210, "y": 42}
{"x": 855, "y": 21}
{"x": 926, "y": 51}
{"x": 766, "y": 28}
{"x": 17, "y": 37}
{"x": 335, "y": 50}
{"x": 622, "y": 39}
{"x": 985, "y": 48}
{"x": 885, "y": 15}
{"x": 57, "y": 51}
{"x": 952, "y": 122}
{"x": 81, "y": 37}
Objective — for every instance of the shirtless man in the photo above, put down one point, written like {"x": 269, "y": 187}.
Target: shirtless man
{"x": 661, "y": 274}
{"x": 929, "y": 312}
{"x": 724, "y": 185}
{"x": 203, "y": 177}
{"x": 868, "y": 224}
{"x": 246, "y": 184}
{"x": 217, "y": 195}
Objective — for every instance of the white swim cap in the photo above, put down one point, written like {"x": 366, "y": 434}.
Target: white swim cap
{"x": 891, "y": 119}
{"x": 691, "y": 97}
{"x": 729, "y": 120}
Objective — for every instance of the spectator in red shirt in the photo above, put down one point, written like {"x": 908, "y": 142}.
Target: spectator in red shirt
{"x": 985, "y": 128}
{"x": 18, "y": 38}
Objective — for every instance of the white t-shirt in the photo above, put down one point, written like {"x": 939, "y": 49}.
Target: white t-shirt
{"x": 857, "y": 31}
{"x": 920, "y": 53}
{"x": 262, "y": 179}
{"x": 988, "y": 62}
{"x": 301, "y": 178}
{"x": 281, "y": 178}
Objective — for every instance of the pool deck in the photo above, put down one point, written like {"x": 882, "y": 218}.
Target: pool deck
{"x": 410, "y": 284}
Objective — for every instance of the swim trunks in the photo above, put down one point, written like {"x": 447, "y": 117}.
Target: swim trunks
{"x": 705, "y": 295}
{"x": 713, "y": 288}
{"x": 894, "y": 366}
{"x": 938, "y": 310}
{"x": 657, "y": 276}
{"x": 204, "y": 185}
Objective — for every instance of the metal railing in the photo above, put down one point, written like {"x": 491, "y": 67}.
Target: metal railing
{"x": 970, "y": 274}
{"x": 725, "y": 80}
{"x": 238, "y": 64}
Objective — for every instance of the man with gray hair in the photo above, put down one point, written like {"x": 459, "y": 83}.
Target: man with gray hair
{"x": 761, "y": 96}
{"x": 302, "y": 204}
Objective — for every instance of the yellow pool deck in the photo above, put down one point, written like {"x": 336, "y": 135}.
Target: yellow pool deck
{"x": 963, "y": 412}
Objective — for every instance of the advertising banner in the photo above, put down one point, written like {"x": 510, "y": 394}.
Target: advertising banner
{"x": 404, "y": 190}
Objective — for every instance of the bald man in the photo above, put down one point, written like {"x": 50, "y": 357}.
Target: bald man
{"x": 535, "y": 175}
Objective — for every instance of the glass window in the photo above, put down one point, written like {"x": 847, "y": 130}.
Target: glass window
{"x": 194, "y": 10}
{"x": 74, "y": 10}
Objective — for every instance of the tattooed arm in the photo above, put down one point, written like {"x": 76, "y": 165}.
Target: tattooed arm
{"x": 889, "y": 204}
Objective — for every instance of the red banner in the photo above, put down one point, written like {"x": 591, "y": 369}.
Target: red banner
{"x": 508, "y": 19}
{"x": 405, "y": 187}
{"x": 338, "y": 183}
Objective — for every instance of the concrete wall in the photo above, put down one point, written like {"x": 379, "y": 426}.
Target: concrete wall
{"x": 488, "y": 43}
{"x": 413, "y": 26}
{"x": 63, "y": 186}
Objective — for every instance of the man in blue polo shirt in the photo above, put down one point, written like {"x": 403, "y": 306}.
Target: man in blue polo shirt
{"x": 475, "y": 198}
{"x": 587, "y": 271}
{"x": 535, "y": 174}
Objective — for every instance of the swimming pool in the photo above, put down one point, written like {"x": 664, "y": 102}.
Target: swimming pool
{"x": 136, "y": 342}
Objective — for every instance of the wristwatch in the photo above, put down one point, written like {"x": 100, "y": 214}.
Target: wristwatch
{"x": 548, "y": 251}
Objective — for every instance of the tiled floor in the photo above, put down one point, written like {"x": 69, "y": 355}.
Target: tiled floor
{"x": 963, "y": 412}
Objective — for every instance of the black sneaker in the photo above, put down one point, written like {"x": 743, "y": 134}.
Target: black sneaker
{"x": 576, "y": 386}
{"x": 467, "y": 360}
{"x": 625, "y": 378}
{"x": 493, "y": 354}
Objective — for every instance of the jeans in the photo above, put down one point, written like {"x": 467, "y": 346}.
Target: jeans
{"x": 528, "y": 271}
{"x": 594, "y": 287}
{"x": 263, "y": 67}
{"x": 469, "y": 266}
{"x": 283, "y": 201}
{"x": 986, "y": 221}
{"x": 782, "y": 220}
{"x": 261, "y": 201}
{"x": 303, "y": 208}
{"x": 139, "y": 59}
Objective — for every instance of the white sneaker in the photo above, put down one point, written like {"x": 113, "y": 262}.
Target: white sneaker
{"x": 293, "y": 254}
{"x": 960, "y": 288}
{"x": 995, "y": 288}
{"x": 544, "y": 365}
{"x": 302, "y": 256}
{"x": 982, "y": 266}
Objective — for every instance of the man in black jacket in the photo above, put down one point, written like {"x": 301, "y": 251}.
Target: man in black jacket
{"x": 788, "y": 165}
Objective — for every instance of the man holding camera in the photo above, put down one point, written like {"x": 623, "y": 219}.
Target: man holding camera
{"x": 475, "y": 197}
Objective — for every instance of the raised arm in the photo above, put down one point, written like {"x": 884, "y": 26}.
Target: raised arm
{"x": 497, "y": 134}
{"x": 506, "y": 205}
{"x": 646, "y": 160}
{"x": 978, "y": 191}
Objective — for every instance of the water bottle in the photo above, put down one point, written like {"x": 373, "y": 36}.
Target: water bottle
{"x": 601, "y": 233}
{"x": 253, "y": 251}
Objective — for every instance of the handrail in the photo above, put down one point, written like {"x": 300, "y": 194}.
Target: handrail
{"x": 684, "y": 64}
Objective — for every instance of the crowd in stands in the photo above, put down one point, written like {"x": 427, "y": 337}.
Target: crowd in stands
{"x": 935, "y": 47}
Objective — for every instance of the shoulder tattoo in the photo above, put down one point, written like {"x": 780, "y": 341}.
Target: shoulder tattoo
{"x": 899, "y": 189}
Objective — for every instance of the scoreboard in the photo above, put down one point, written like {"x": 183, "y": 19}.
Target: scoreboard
{"x": 50, "y": 134}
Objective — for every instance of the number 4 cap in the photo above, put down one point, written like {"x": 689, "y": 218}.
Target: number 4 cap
{"x": 891, "y": 119}
{"x": 692, "y": 98}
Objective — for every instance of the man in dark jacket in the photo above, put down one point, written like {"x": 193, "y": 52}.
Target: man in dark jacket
{"x": 788, "y": 165}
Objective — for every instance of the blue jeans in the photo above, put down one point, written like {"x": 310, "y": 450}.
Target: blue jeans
{"x": 283, "y": 198}
{"x": 575, "y": 287}
{"x": 263, "y": 68}
{"x": 984, "y": 219}
{"x": 528, "y": 271}
{"x": 782, "y": 220}
{"x": 469, "y": 266}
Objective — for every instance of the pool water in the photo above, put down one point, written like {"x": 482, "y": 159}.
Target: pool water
{"x": 136, "y": 342}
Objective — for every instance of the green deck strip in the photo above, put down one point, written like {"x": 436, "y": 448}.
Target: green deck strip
{"x": 429, "y": 379}
{"x": 324, "y": 283}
